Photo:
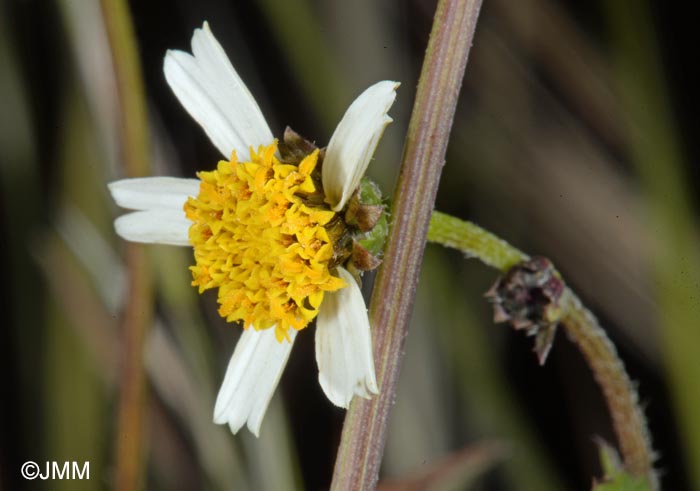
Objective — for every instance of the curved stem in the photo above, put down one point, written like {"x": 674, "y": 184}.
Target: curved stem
{"x": 473, "y": 241}
{"x": 364, "y": 433}
{"x": 583, "y": 329}
{"x": 629, "y": 421}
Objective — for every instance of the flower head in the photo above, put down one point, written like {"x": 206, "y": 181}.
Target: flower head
{"x": 275, "y": 229}
{"x": 259, "y": 240}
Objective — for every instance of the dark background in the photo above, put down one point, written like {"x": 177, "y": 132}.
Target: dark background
{"x": 575, "y": 138}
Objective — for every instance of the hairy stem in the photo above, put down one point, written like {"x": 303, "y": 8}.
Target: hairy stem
{"x": 473, "y": 241}
{"x": 133, "y": 143}
{"x": 628, "y": 419}
{"x": 583, "y": 329}
{"x": 364, "y": 432}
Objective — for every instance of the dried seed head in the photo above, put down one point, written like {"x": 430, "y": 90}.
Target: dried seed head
{"x": 528, "y": 297}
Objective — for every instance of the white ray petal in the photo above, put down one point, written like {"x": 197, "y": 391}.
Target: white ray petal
{"x": 209, "y": 88}
{"x": 251, "y": 378}
{"x": 344, "y": 345}
{"x": 148, "y": 193}
{"x": 157, "y": 226}
{"x": 354, "y": 141}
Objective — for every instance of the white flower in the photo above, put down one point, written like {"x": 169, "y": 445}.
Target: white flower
{"x": 215, "y": 96}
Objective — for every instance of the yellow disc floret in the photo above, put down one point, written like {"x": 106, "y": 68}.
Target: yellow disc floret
{"x": 261, "y": 243}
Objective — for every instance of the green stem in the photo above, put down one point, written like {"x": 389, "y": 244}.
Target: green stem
{"x": 364, "y": 433}
{"x": 583, "y": 329}
{"x": 137, "y": 318}
{"x": 473, "y": 241}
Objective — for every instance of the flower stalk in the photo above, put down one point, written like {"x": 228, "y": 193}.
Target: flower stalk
{"x": 137, "y": 316}
{"x": 364, "y": 432}
{"x": 473, "y": 241}
{"x": 583, "y": 329}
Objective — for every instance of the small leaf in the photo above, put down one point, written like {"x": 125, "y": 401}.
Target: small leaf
{"x": 370, "y": 194}
{"x": 374, "y": 240}
{"x": 616, "y": 478}
{"x": 623, "y": 482}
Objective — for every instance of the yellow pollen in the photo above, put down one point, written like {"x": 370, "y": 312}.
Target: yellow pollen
{"x": 258, "y": 241}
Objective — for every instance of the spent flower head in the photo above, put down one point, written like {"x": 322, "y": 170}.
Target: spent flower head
{"x": 281, "y": 229}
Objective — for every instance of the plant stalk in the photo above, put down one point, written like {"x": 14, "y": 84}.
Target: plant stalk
{"x": 137, "y": 317}
{"x": 364, "y": 432}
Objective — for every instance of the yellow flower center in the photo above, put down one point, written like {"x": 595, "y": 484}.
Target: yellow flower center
{"x": 262, "y": 242}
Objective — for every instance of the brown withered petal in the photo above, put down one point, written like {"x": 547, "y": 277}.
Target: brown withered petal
{"x": 294, "y": 147}
{"x": 500, "y": 314}
{"x": 364, "y": 217}
{"x": 362, "y": 259}
{"x": 543, "y": 342}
